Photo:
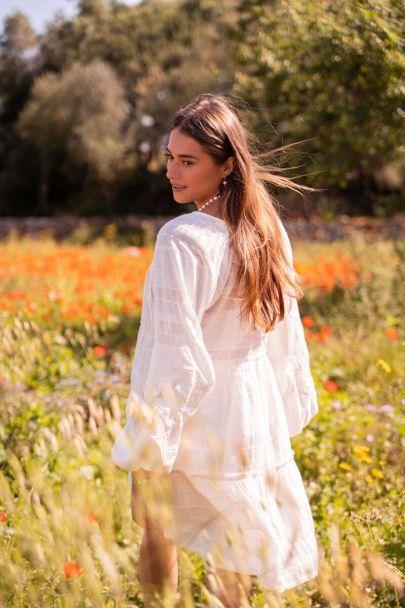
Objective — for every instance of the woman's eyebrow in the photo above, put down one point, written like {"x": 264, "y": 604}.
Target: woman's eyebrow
{"x": 183, "y": 155}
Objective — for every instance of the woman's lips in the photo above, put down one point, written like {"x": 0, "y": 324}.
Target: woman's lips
{"x": 178, "y": 188}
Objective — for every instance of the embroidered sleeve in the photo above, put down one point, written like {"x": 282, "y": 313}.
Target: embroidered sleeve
{"x": 288, "y": 352}
{"x": 179, "y": 370}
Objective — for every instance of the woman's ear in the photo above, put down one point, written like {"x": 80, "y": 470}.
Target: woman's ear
{"x": 229, "y": 165}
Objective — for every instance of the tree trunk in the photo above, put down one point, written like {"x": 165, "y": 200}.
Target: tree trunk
{"x": 43, "y": 190}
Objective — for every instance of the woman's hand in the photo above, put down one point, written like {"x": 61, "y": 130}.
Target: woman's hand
{"x": 147, "y": 499}
{"x": 141, "y": 474}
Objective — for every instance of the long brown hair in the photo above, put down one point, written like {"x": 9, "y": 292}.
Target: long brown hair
{"x": 263, "y": 271}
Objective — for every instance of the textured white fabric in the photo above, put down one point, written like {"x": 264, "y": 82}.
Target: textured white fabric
{"x": 260, "y": 526}
{"x": 215, "y": 403}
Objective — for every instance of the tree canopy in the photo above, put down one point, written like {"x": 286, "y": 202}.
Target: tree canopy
{"x": 332, "y": 72}
{"x": 85, "y": 107}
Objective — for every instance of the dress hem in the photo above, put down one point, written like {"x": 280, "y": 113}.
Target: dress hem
{"x": 291, "y": 583}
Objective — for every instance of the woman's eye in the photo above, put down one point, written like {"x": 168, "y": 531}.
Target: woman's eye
{"x": 186, "y": 162}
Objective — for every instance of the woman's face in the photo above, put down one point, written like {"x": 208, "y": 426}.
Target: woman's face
{"x": 191, "y": 171}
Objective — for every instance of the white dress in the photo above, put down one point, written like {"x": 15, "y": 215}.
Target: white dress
{"x": 214, "y": 404}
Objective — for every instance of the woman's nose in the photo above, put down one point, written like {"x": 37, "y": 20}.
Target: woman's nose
{"x": 172, "y": 174}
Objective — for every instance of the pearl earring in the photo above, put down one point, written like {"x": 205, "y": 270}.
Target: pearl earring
{"x": 224, "y": 182}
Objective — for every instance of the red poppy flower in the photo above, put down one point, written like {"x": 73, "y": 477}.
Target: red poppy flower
{"x": 307, "y": 321}
{"x": 91, "y": 517}
{"x": 3, "y": 517}
{"x": 71, "y": 569}
{"x": 100, "y": 350}
{"x": 331, "y": 386}
{"x": 392, "y": 333}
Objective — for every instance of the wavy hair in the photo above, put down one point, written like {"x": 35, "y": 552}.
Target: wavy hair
{"x": 262, "y": 268}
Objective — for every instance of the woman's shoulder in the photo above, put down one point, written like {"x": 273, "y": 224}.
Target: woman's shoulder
{"x": 196, "y": 230}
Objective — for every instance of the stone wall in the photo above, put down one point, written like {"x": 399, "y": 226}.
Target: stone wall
{"x": 315, "y": 229}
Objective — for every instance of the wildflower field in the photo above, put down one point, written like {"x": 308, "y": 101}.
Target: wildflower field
{"x": 69, "y": 314}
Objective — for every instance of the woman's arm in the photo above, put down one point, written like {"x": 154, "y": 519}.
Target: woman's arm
{"x": 180, "y": 371}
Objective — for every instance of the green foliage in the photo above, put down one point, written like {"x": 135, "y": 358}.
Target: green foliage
{"x": 18, "y": 36}
{"x": 331, "y": 72}
{"x": 162, "y": 53}
{"x": 328, "y": 73}
{"x": 77, "y": 117}
{"x": 66, "y": 502}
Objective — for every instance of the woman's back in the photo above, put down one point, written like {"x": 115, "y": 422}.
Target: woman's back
{"x": 237, "y": 412}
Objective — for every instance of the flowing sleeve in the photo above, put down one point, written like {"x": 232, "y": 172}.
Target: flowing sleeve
{"x": 288, "y": 352}
{"x": 176, "y": 370}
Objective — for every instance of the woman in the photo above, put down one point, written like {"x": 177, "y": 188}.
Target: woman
{"x": 221, "y": 378}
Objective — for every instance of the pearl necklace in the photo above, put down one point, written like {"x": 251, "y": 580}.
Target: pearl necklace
{"x": 211, "y": 200}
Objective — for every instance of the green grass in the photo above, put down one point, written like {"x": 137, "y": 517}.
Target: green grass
{"x": 64, "y": 500}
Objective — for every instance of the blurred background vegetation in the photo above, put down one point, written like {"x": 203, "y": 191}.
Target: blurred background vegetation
{"x": 86, "y": 106}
